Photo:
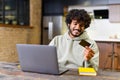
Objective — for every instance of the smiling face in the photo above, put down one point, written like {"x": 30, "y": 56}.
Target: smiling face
{"x": 77, "y": 21}
{"x": 76, "y": 28}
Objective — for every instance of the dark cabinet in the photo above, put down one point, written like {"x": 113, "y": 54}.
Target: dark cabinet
{"x": 14, "y": 12}
{"x": 52, "y": 7}
{"x": 1, "y": 11}
{"x": 55, "y": 7}
{"x": 106, "y": 60}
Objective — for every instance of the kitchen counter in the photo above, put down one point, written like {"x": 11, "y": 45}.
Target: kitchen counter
{"x": 109, "y": 53}
{"x": 11, "y": 71}
{"x": 107, "y": 40}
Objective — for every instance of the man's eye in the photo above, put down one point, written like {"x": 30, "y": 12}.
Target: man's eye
{"x": 75, "y": 23}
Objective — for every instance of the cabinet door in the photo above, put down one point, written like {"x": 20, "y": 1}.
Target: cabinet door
{"x": 1, "y": 11}
{"x": 114, "y": 13}
{"x": 105, "y": 50}
{"x": 99, "y": 2}
{"x": 23, "y": 13}
{"x": 14, "y": 12}
{"x": 117, "y": 55}
{"x": 106, "y": 60}
{"x": 10, "y": 11}
{"x": 114, "y": 1}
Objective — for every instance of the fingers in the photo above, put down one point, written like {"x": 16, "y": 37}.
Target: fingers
{"x": 88, "y": 53}
{"x": 88, "y": 56}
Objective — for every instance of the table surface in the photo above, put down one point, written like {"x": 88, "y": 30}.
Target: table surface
{"x": 11, "y": 71}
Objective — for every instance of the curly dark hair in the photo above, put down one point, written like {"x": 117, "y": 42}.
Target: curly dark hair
{"x": 79, "y": 15}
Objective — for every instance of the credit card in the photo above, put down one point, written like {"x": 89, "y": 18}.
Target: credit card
{"x": 84, "y": 43}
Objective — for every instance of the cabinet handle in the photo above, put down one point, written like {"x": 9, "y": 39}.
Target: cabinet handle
{"x": 50, "y": 30}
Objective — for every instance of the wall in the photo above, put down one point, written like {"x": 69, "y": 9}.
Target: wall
{"x": 103, "y": 29}
{"x": 9, "y": 37}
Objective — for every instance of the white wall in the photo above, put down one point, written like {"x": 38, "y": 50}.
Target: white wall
{"x": 100, "y": 28}
{"x": 103, "y": 29}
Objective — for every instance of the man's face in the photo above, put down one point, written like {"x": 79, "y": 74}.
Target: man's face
{"x": 76, "y": 28}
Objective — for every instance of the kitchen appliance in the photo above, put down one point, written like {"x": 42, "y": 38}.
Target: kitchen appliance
{"x": 101, "y": 14}
{"x": 52, "y": 26}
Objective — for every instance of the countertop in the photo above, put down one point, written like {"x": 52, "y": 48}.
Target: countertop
{"x": 107, "y": 40}
{"x": 11, "y": 71}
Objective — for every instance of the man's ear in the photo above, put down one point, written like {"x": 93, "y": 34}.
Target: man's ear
{"x": 68, "y": 25}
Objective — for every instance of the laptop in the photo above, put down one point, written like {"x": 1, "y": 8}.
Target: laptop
{"x": 39, "y": 58}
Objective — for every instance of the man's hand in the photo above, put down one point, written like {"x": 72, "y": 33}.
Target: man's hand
{"x": 88, "y": 53}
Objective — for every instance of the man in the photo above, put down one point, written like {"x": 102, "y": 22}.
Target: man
{"x": 70, "y": 53}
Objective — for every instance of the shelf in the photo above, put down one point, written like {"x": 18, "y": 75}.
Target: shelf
{"x": 15, "y": 26}
{"x": 14, "y": 11}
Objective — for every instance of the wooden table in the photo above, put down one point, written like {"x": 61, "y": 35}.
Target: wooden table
{"x": 10, "y": 71}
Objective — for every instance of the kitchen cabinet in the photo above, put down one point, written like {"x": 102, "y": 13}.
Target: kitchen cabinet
{"x": 114, "y": 1}
{"x": 105, "y": 59}
{"x": 55, "y": 7}
{"x": 14, "y": 12}
{"x": 99, "y": 2}
{"x": 52, "y": 7}
{"x": 114, "y": 13}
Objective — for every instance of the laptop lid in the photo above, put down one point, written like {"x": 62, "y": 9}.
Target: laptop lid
{"x": 38, "y": 58}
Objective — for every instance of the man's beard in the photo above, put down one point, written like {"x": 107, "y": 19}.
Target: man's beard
{"x": 70, "y": 32}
